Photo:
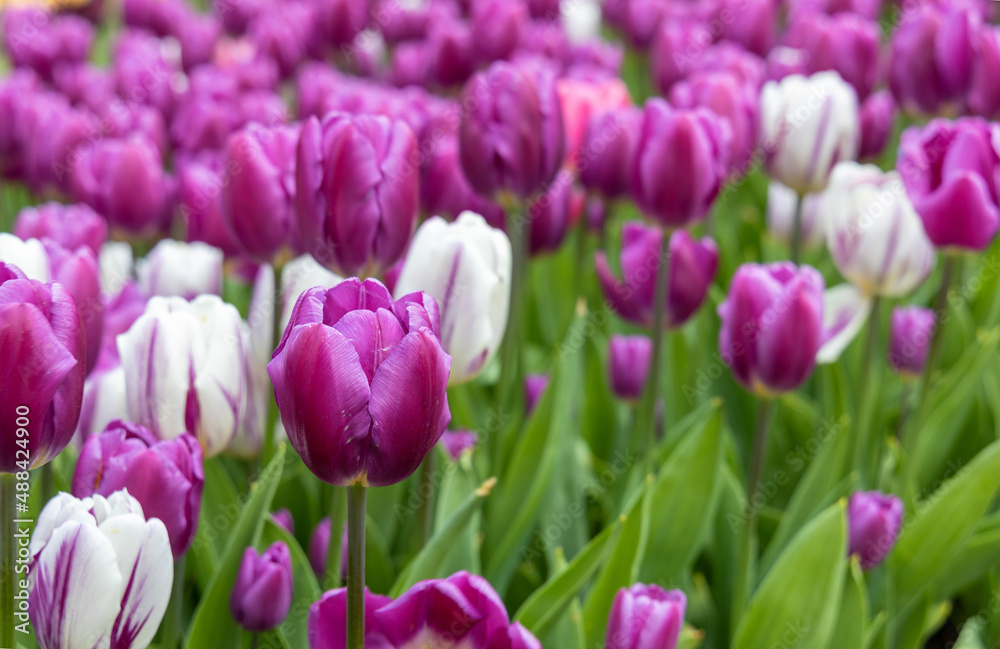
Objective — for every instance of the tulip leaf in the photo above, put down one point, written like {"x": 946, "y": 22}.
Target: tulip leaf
{"x": 979, "y": 554}
{"x": 220, "y": 507}
{"x": 379, "y": 569}
{"x": 724, "y": 553}
{"x": 213, "y": 626}
{"x": 294, "y": 631}
{"x": 797, "y": 604}
{"x": 925, "y": 545}
{"x": 971, "y": 635}
{"x": 431, "y": 560}
{"x": 852, "y": 624}
{"x": 543, "y": 609}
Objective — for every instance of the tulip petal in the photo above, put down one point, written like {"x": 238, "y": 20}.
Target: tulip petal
{"x": 791, "y": 335}
{"x": 845, "y": 311}
{"x": 328, "y": 621}
{"x": 373, "y": 334}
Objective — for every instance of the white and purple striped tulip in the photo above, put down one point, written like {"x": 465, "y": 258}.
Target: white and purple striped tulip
{"x": 182, "y": 269}
{"x": 101, "y": 573}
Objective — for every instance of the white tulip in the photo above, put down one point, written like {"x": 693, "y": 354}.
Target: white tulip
{"x": 808, "y": 124}
{"x": 781, "y": 205}
{"x": 29, "y": 256}
{"x": 101, "y": 573}
{"x": 182, "y": 269}
{"x": 581, "y": 19}
{"x": 258, "y": 343}
{"x": 116, "y": 265}
{"x": 466, "y": 267}
{"x": 300, "y": 274}
{"x": 185, "y": 369}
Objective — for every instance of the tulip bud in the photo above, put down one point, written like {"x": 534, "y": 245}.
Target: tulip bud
{"x": 878, "y": 114}
{"x": 951, "y": 170}
{"x": 337, "y": 22}
{"x": 580, "y": 101}
{"x": 319, "y": 548}
{"x": 71, "y": 226}
{"x": 534, "y": 387}
{"x": 909, "y": 337}
{"x": 285, "y": 36}
{"x": 628, "y": 365}
{"x": 262, "y": 594}
{"x": 645, "y": 617}
{"x": 874, "y": 236}
{"x": 782, "y": 203}
{"x": 549, "y": 216}
{"x": 455, "y": 443}
{"x": 873, "y": 521}
{"x": 692, "y": 266}
{"x": 607, "y": 151}
{"x": 101, "y": 573}
{"x": 185, "y": 369}
{"x": 753, "y": 24}
{"x": 42, "y": 40}
{"x": 77, "y": 271}
{"x": 166, "y": 477}
{"x": 356, "y": 193}
{"x": 680, "y": 162}
{"x": 182, "y": 269}
{"x": 199, "y": 186}
{"x": 846, "y": 43}
{"x": 283, "y": 517}
{"x": 772, "y": 326}
{"x": 44, "y": 350}
{"x": 984, "y": 93}
{"x": 361, "y": 382}
{"x": 496, "y": 28}
{"x": 444, "y": 190}
{"x": 466, "y": 267}
{"x": 148, "y": 70}
{"x": 55, "y": 139}
{"x": 512, "y": 136}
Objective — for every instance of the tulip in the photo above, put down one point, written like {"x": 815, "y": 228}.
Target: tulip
{"x": 337, "y": 22}
{"x": 496, "y": 28}
{"x": 328, "y": 620}
{"x": 785, "y": 61}
{"x": 846, "y": 43}
{"x": 448, "y": 52}
{"x": 258, "y": 343}
{"x": 808, "y": 124}
{"x": 952, "y": 175}
{"x": 581, "y": 20}
{"x": 781, "y": 205}
{"x": 772, "y": 326}
{"x": 116, "y": 264}
{"x": 175, "y": 268}
{"x": 55, "y": 139}
{"x": 148, "y": 70}
{"x": 550, "y": 215}
{"x": 185, "y": 369}
{"x": 42, "y": 40}
{"x": 166, "y": 477}
{"x": 284, "y": 36}
{"x": 197, "y": 34}
{"x": 670, "y": 57}
{"x": 78, "y": 272}
{"x": 44, "y": 350}
{"x": 628, "y": 365}
{"x": 299, "y": 275}
{"x": 910, "y": 335}
{"x": 356, "y": 192}
{"x": 512, "y": 137}
{"x": 360, "y": 382}
{"x": 123, "y": 180}
{"x": 873, "y": 521}
{"x": 581, "y": 100}
{"x": 534, "y": 387}
{"x": 875, "y": 237}
{"x": 262, "y": 594}
{"x": 101, "y": 573}
{"x": 319, "y": 548}
{"x": 870, "y": 9}
{"x": 878, "y": 114}
{"x": 752, "y": 24}
{"x": 645, "y": 617}
{"x": 199, "y": 186}
{"x": 984, "y": 94}
{"x": 445, "y": 191}
{"x": 692, "y": 266}
{"x": 607, "y": 151}
{"x": 466, "y": 267}
{"x": 455, "y": 443}
{"x": 259, "y": 200}
{"x": 283, "y": 517}
{"x": 71, "y": 226}
{"x": 680, "y": 162}
{"x": 29, "y": 256}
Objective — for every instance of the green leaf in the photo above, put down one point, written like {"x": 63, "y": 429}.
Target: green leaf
{"x": 220, "y": 507}
{"x": 971, "y": 636}
{"x": 941, "y": 525}
{"x": 852, "y": 625}
{"x": 294, "y": 631}
{"x": 546, "y": 604}
{"x": 979, "y": 554}
{"x": 213, "y": 626}
{"x": 798, "y": 602}
{"x": 724, "y": 554}
{"x": 429, "y": 562}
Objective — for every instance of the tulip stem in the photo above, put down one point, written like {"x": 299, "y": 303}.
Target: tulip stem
{"x": 356, "y": 566}
{"x": 797, "y": 229}
{"x": 253, "y": 640}
{"x": 862, "y": 448}
{"x": 646, "y": 429}
{"x": 8, "y": 484}
{"x": 267, "y": 447}
{"x": 425, "y": 512}
{"x": 510, "y": 368}
{"x": 173, "y": 621}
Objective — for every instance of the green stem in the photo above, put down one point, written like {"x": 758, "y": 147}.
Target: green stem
{"x": 8, "y": 484}
{"x": 645, "y": 432}
{"x": 253, "y": 640}
{"x": 48, "y": 483}
{"x": 356, "y": 566}
{"x": 425, "y": 512}
{"x": 173, "y": 620}
{"x": 338, "y": 516}
{"x": 904, "y": 408}
{"x": 510, "y": 369}
{"x": 797, "y": 229}
{"x": 868, "y": 360}
{"x": 267, "y": 451}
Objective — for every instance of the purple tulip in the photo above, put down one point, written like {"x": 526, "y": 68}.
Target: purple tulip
{"x": 360, "y": 382}
{"x": 692, "y": 266}
{"x": 262, "y": 594}
{"x": 676, "y": 52}
{"x": 54, "y": 139}
{"x": 71, "y": 226}
{"x": 772, "y": 326}
{"x": 952, "y": 175}
{"x": 909, "y": 338}
{"x": 285, "y": 35}
{"x": 680, "y": 163}
{"x": 200, "y": 182}
{"x": 607, "y": 150}
{"x": 933, "y": 53}
{"x": 870, "y": 9}
{"x": 401, "y": 22}
{"x": 148, "y": 71}
{"x": 448, "y": 52}
{"x": 550, "y": 215}
{"x": 337, "y": 22}
{"x": 283, "y": 517}
{"x": 878, "y": 114}
{"x": 496, "y": 28}
{"x": 628, "y": 365}
{"x": 77, "y": 271}
{"x": 534, "y": 387}
{"x": 845, "y": 43}
{"x": 197, "y": 34}
{"x": 166, "y": 477}
{"x": 645, "y": 617}
{"x": 319, "y": 548}
{"x": 44, "y": 350}
{"x": 984, "y": 93}
{"x": 17, "y": 90}
{"x": 444, "y": 190}
{"x": 259, "y": 199}
{"x": 356, "y": 193}
{"x": 42, "y": 40}
{"x": 328, "y": 621}
{"x": 753, "y": 24}
{"x": 455, "y": 443}
{"x": 873, "y": 521}
{"x": 511, "y": 136}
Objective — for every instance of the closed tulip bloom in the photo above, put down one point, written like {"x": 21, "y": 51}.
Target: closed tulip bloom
{"x": 772, "y": 326}
{"x": 28, "y": 255}
{"x": 692, "y": 266}
{"x": 496, "y": 27}
{"x": 511, "y": 137}
{"x": 101, "y": 573}
{"x": 754, "y": 24}
{"x": 71, "y": 226}
{"x": 878, "y": 114}
{"x": 781, "y": 205}
{"x": 549, "y": 216}
{"x": 199, "y": 188}
{"x": 534, "y": 387}
{"x": 337, "y": 22}
{"x": 909, "y": 338}
{"x": 55, "y": 139}
{"x": 148, "y": 70}
{"x": 466, "y": 267}
{"x": 42, "y": 40}
{"x": 870, "y": 9}
{"x": 455, "y": 443}
{"x": 319, "y": 548}
{"x": 78, "y": 272}
{"x": 283, "y": 517}
{"x": 873, "y": 521}
{"x": 175, "y": 268}
{"x": 874, "y": 236}
{"x": 356, "y": 192}
{"x": 259, "y": 199}
{"x": 606, "y": 153}
{"x": 984, "y": 92}
{"x": 628, "y": 365}
{"x": 808, "y": 124}
{"x": 645, "y": 617}
{"x": 43, "y": 346}
{"x": 733, "y": 100}
{"x": 583, "y": 99}
{"x": 952, "y": 175}
{"x": 262, "y": 594}
{"x": 846, "y": 43}
{"x": 361, "y": 382}
{"x": 680, "y": 162}
{"x": 444, "y": 189}
{"x": 184, "y": 369}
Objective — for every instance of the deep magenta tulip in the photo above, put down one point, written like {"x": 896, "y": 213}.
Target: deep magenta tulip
{"x": 262, "y": 594}
{"x": 455, "y": 443}
{"x": 283, "y": 518}
{"x": 199, "y": 196}
{"x": 910, "y": 335}
{"x": 79, "y": 274}
{"x": 628, "y": 365}
{"x": 846, "y": 43}
{"x": 873, "y": 521}
{"x": 606, "y": 154}
{"x": 71, "y": 226}
{"x": 534, "y": 387}
{"x": 645, "y": 617}
{"x": 878, "y": 114}
{"x": 42, "y": 40}
{"x": 550, "y": 215}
